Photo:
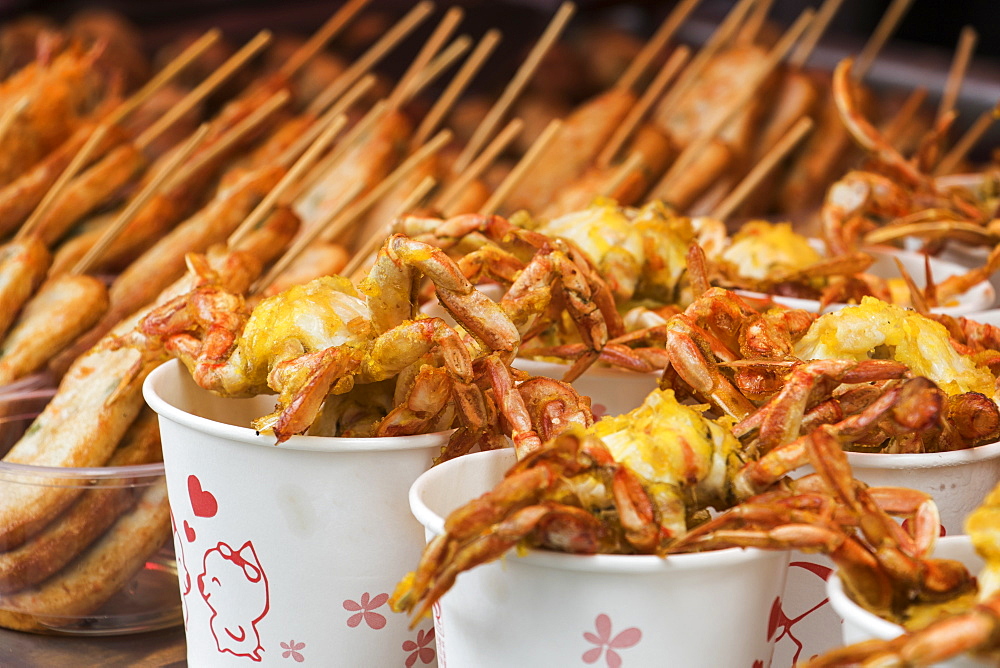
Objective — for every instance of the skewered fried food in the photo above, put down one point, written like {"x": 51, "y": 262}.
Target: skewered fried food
{"x": 580, "y": 140}
{"x": 23, "y": 264}
{"x": 63, "y": 308}
{"x": 48, "y": 101}
{"x": 162, "y": 264}
{"x": 100, "y": 395}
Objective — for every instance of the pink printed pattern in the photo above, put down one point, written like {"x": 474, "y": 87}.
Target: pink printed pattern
{"x": 780, "y": 621}
{"x": 607, "y": 644}
{"x": 291, "y": 650}
{"x": 365, "y": 611}
{"x": 420, "y": 649}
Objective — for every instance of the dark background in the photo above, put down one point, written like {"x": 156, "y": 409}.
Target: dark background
{"x": 919, "y": 54}
{"x": 928, "y": 22}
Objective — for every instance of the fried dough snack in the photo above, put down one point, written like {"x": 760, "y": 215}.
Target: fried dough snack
{"x": 23, "y": 264}
{"x": 61, "y": 540}
{"x": 62, "y": 308}
{"x": 100, "y": 396}
{"x": 98, "y": 573}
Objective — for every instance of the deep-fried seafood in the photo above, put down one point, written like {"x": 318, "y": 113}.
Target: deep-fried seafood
{"x": 323, "y": 338}
{"x": 963, "y": 624}
{"x": 641, "y": 482}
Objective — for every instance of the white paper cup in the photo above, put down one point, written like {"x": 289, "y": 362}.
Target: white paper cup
{"x": 553, "y": 609}
{"x": 860, "y": 624}
{"x": 287, "y": 553}
{"x": 980, "y": 296}
{"x": 958, "y": 481}
{"x": 612, "y": 391}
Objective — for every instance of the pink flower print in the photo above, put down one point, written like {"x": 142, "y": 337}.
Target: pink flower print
{"x": 420, "y": 649}
{"x": 365, "y": 611}
{"x": 627, "y": 638}
{"x": 292, "y": 650}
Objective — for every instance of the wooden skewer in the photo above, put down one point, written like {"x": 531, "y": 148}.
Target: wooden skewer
{"x": 165, "y": 75}
{"x": 312, "y": 132}
{"x": 11, "y": 113}
{"x": 230, "y": 138}
{"x": 967, "y": 141}
{"x": 663, "y": 34}
{"x": 374, "y": 115}
{"x": 713, "y": 44}
{"x": 738, "y": 103}
{"x": 433, "y": 44}
{"x": 416, "y": 196}
{"x": 440, "y": 63}
{"x": 291, "y": 177}
{"x": 446, "y": 200}
{"x": 458, "y": 84}
{"x": 237, "y": 60}
{"x": 333, "y": 230}
{"x": 81, "y": 158}
{"x": 373, "y": 55}
{"x": 347, "y": 210}
{"x": 302, "y": 241}
{"x": 763, "y": 167}
{"x": 632, "y": 163}
{"x": 963, "y": 54}
{"x": 374, "y": 241}
{"x": 755, "y": 22}
{"x": 638, "y": 111}
{"x": 911, "y": 105}
{"x": 516, "y": 84}
{"x": 529, "y": 158}
{"x": 883, "y": 31}
{"x": 322, "y": 37}
{"x": 825, "y": 14}
{"x": 139, "y": 201}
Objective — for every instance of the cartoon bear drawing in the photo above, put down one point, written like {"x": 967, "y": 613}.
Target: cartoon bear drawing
{"x": 234, "y": 586}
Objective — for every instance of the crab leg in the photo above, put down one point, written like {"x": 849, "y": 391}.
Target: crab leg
{"x": 390, "y": 289}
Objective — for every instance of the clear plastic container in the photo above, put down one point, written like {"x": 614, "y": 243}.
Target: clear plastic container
{"x": 100, "y": 563}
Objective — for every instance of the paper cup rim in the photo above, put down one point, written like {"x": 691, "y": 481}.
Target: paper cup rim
{"x": 593, "y": 371}
{"x": 925, "y": 460}
{"x": 873, "y": 625}
{"x": 981, "y": 296}
{"x": 229, "y": 432}
{"x": 589, "y": 563}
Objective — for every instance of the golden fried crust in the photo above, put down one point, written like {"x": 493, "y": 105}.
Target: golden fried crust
{"x": 62, "y": 309}
{"x": 23, "y": 264}
{"x": 579, "y": 141}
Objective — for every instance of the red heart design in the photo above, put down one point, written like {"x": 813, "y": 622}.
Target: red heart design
{"x": 202, "y": 503}
{"x": 189, "y": 532}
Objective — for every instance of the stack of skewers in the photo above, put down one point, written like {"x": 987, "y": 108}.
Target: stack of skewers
{"x": 262, "y": 167}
